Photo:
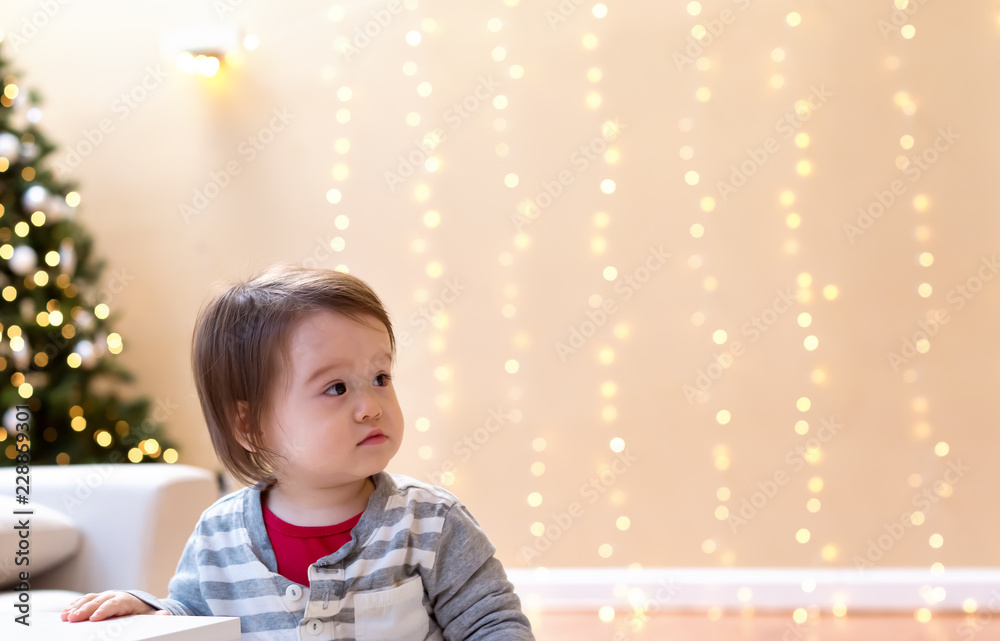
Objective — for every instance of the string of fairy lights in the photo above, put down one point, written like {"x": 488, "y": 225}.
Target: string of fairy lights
{"x": 924, "y": 260}
{"x": 793, "y": 220}
{"x": 431, "y": 220}
{"x": 924, "y": 290}
{"x": 521, "y": 242}
{"x": 721, "y": 454}
{"x": 818, "y": 376}
{"x": 605, "y": 354}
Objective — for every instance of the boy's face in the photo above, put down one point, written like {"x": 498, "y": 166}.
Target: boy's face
{"x": 338, "y": 394}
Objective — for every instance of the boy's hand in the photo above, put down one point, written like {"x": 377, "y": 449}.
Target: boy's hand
{"x": 97, "y": 607}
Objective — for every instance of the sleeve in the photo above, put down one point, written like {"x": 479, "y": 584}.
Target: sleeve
{"x": 468, "y": 588}
{"x": 184, "y": 596}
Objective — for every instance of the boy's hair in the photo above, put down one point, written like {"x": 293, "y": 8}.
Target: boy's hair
{"x": 240, "y": 349}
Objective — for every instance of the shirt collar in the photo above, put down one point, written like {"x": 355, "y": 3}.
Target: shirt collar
{"x": 253, "y": 515}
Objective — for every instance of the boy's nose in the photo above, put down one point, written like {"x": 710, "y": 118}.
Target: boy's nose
{"x": 368, "y": 407}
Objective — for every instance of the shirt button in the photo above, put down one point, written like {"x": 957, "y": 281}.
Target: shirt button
{"x": 293, "y": 592}
{"x": 314, "y": 626}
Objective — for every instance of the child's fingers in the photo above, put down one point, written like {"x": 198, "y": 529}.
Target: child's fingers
{"x": 114, "y": 605}
{"x": 97, "y": 607}
{"x": 83, "y": 609}
{"x": 74, "y": 610}
{"x": 87, "y": 608}
{"x": 77, "y": 601}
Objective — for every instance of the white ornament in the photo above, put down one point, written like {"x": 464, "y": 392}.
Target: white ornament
{"x": 8, "y": 146}
{"x": 101, "y": 344}
{"x": 67, "y": 257}
{"x": 28, "y": 151}
{"x": 34, "y": 115}
{"x": 84, "y": 319}
{"x": 86, "y": 351}
{"x": 23, "y": 260}
{"x": 10, "y": 420}
{"x": 34, "y": 197}
{"x": 56, "y": 209}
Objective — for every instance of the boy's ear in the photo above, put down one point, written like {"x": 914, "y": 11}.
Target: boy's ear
{"x": 241, "y": 426}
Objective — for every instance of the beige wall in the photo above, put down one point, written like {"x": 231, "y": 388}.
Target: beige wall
{"x": 882, "y": 453}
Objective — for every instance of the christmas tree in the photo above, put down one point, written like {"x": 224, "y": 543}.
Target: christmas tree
{"x": 59, "y": 376}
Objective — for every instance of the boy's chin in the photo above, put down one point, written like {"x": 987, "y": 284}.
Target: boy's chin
{"x": 375, "y": 469}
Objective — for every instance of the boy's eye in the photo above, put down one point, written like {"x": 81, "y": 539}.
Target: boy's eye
{"x": 337, "y": 386}
{"x": 342, "y": 388}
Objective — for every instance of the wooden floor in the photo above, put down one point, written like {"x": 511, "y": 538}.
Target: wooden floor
{"x": 583, "y": 626}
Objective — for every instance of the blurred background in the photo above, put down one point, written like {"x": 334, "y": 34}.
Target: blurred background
{"x": 674, "y": 283}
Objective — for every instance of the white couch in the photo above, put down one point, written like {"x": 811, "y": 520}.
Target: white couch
{"x": 121, "y": 526}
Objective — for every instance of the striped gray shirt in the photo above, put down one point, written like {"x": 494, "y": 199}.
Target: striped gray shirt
{"x": 418, "y": 566}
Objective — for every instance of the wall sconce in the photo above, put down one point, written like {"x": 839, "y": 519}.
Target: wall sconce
{"x": 203, "y": 64}
{"x": 201, "y": 50}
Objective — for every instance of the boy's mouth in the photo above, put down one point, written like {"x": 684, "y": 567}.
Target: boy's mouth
{"x": 373, "y": 438}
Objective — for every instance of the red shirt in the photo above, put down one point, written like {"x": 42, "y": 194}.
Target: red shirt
{"x": 296, "y": 547}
